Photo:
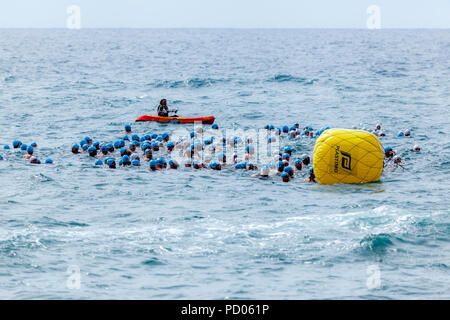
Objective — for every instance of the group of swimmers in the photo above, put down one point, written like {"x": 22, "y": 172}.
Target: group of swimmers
{"x": 160, "y": 153}
{"x": 197, "y": 154}
{"x": 29, "y": 152}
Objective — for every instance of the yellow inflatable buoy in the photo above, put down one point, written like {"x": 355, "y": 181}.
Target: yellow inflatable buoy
{"x": 347, "y": 156}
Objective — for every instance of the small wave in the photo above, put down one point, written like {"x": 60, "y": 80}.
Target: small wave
{"x": 291, "y": 78}
{"x": 188, "y": 83}
{"x": 376, "y": 243}
{"x": 10, "y": 78}
{"x": 153, "y": 262}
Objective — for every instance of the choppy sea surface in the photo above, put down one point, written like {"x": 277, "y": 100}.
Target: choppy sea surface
{"x": 72, "y": 230}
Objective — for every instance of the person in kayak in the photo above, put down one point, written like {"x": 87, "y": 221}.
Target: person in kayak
{"x": 163, "y": 110}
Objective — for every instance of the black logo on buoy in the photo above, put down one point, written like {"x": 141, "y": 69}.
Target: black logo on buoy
{"x": 346, "y": 160}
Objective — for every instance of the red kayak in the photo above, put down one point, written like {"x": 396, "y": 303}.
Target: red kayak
{"x": 204, "y": 120}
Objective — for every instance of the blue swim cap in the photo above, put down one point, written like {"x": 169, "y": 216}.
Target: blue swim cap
{"x": 6, "y": 147}
{"x": 192, "y": 134}
{"x": 126, "y": 159}
{"x": 285, "y": 156}
{"x": 161, "y": 162}
{"x": 310, "y": 170}
{"x": 98, "y": 162}
{"x": 142, "y": 139}
{"x": 266, "y": 127}
{"x": 83, "y": 142}
{"x": 1, "y": 157}
{"x": 88, "y": 139}
{"x": 287, "y": 149}
{"x": 387, "y": 149}
{"x": 30, "y": 150}
{"x": 104, "y": 149}
{"x": 152, "y": 164}
{"x": 154, "y": 136}
{"x": 85, "y": 147}
{"x": 33, "y": 144}
{"x": 145, "y": 146}
{"x": 284, "y": 175}
{"x": 288, "y": 169}
{"x": 122, "y": 151}
{"x": 127, "y": 128}
{"x": 170, "y": 145}
{"x": 117, "y": 144}
{"x": 120, "y": 162}
{"x": 48, "y": 161}
{"x": 280, "y": 164}
{"x": 135, "y": 163}
{"x": 96, "y": 144}
{"x": 147, "y": 137}
{"x": 240, "y": 165}
{"x": 17, "y": 143}
{"x": 285, "y": 129}
{"x": 297, "y": 161}
{"x": 135, "y": 137}
{"x": 400, "y": 134}
{"x": 75, "y": 146}
{"x": 271, "y": 127}
{"x": 213, "y": 164}
{"x": 159, "y": 138}
{"x": 92, "y": 150}
{"x": 109, "y": 161}
{"x": 215, "y": 126}
{"x": 23, "y": 147}
{"x": 165, "y": 135}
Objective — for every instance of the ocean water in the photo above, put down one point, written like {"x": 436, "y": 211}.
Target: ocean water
{"x": 71, "y": 230}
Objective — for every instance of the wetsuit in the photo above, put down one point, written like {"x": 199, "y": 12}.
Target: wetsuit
{"x": 163, "y": 111}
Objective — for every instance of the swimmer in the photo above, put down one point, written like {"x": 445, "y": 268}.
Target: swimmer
{"x": 148, "y": 155}
{"x": 285, "y": 177}
{"x": 99, "y": 162}
{"x": 214, "y": 165}
{"x": 136, "y": 163}
{"x": 298, "y": 164}
{"x": 161, "y": 164}
{"x": 6, "y": 147}
{"x": 389, "y": 153}
{"x": 416, "y": 148}
{"x": 1, "y": 157}
{"x": 264, "y": 173}
{"x": 215, "y": 127}
{"x": 75, "y": 148}
{"x": 35, "y": 160}
{"x": 126, "y": 161}
{"x": 104, "y": 150}
{"x": 280, "y": 166}
{"x": 29, "y": 154}
{"x": 33, "y": 144}
{"x": 170, "y": 146}
{"x": 132, "y": 147}
{"x": 111, "y": 163}
{"x": 96, "y": 144}
{"x": 289, "y": 171}
{"x": 152, "y": 165}
{"x": 306, "y": 160}
{"x": 251, "y": 166}
{"x": 197, "y": 165}
{"x": 92, "y": 151}
{"x": 288, "y": 150}
{"x": 398, "y": 161}
{"x": 23, "y": 147}
{"x": 378, "y": 127}
{"x": 407, "y": 133}
{"x": 127, "y": 128}
{"x": 311, "y": 178}
{"x": 173, "y": 164}
{"x": 48, "y": 161}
